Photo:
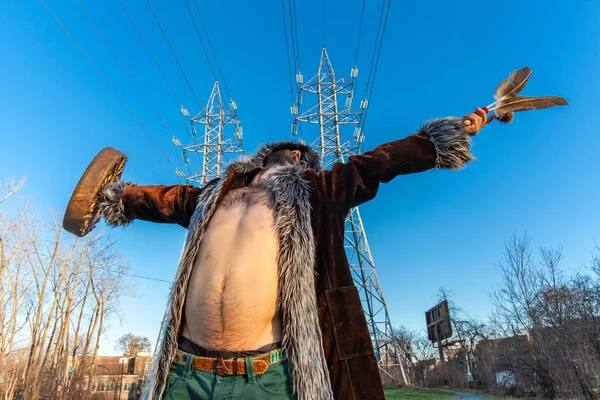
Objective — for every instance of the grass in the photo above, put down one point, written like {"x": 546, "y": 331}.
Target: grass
{"x": 419, "y": 394}
{"x": 434, "y": 394}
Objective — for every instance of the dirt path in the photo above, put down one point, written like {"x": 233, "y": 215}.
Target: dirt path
{"x": 466, "y": 396}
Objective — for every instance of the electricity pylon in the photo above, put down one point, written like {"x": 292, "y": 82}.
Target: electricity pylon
{"x": 212, "y": 148}
{"x": 215, "y": 145}
{"x": 330, "y": 117}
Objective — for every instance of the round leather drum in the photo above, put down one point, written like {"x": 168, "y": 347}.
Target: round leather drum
{"x": 82, "y": 211}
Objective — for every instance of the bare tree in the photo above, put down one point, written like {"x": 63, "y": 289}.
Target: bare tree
{"x": 569, "y": 316}
{"x": 11, "y": 187}
{"x": 130, "y": 344}
{"x": 15, "y": 238}
{"x": 56, "y": 295}
{"x": 521, "y": 282}
{"x": 559, "y": 315}
{"x": 416, "y": 351}
{"x": 515, "y": 312}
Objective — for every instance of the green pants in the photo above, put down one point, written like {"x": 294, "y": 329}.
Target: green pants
{"x": 184, "y": 382}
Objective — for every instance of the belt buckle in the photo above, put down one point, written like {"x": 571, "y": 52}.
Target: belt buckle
{"x": 221, "y": 368}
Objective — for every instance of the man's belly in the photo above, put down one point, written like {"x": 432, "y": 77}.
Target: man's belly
{"x": 231, "y": 302}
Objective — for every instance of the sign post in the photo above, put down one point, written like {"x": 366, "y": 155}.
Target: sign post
{"x": 439, "y": 327}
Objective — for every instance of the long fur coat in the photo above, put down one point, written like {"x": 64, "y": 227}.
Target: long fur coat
{"x": 325, "y": 332}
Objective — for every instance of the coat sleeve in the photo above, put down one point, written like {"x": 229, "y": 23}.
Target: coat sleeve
{"x": 123, "y": 202}
{"x": 440, "y": 143}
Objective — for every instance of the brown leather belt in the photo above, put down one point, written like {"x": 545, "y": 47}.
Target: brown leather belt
{"x": 230, "y": 366}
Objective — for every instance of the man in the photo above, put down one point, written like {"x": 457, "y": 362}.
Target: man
{"x": 263, "y": 304}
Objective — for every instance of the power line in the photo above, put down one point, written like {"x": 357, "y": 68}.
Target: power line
{"x": 114, "y": 53}
{"x": 294, "y": 30}
{"x": 360, "y": 24}
{"x": 287, "y": 48}
{"x": 212, "y": 49}
{"x": 173, "y": 52}
{"x": 296, "y": 33}
{"x": 374, "y": 55}
{"x": 380, "y": 46}
{"x": 187, "y": 6}
{"x": 221, "y": 75}
{"x": 162, "y": 73}
{"x": 296, "y": 76}
{"x": 160, "y": 70}
{"x": 137, "y": 86}
{"x": 385, "y": 11}
{"x": 112, "y": 271}
{"x": 112, "y": 89}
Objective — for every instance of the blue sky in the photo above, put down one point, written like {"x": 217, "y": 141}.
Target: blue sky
{"x": 439, "y": 58}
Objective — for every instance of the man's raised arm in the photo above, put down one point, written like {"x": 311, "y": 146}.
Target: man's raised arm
{"x": 122, "y": 202}
{"x": 440, "y": 143}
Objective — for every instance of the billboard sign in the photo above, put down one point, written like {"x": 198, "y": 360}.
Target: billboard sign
{"x": 439, "y": 326}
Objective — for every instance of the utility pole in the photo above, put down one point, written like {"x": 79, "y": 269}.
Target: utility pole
{"x": 331, "y": 114}
{"x": 442, "y": 359}
{"x": 213, "y": 147}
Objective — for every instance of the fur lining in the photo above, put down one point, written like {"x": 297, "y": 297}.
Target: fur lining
{"x": 110, "y": 205}
{"x": 310, "y": 159}
{"x": 171, "y": 326}
{"x": 302, "y": 340}
{"x": 451, "y": 142}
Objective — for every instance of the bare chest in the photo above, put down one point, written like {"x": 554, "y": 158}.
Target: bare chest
{"x": 232, "y": 294}
{"x": 247, "y": 197}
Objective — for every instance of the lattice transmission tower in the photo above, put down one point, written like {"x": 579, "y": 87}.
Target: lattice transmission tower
{"x": 215, "y": 147}
{"x": 327, "y": 113}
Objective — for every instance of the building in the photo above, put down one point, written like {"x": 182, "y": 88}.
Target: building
{"x": 117, "y": 377}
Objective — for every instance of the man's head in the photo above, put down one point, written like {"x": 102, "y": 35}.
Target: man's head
{"x": 279, "y": 153}
{"x": 282, "y": 157}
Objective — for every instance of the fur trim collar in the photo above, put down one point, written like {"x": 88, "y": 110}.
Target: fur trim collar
{"x": 310, "y": 159}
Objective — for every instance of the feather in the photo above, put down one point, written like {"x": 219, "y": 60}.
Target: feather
{"x": 523, "y": 103}
{"x": 512, "y": 85}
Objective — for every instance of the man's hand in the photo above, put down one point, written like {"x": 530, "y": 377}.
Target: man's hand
{"x": 475, "y": 121}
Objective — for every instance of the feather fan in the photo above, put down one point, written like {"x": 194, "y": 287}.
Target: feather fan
{"x": 507, "y": 102}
